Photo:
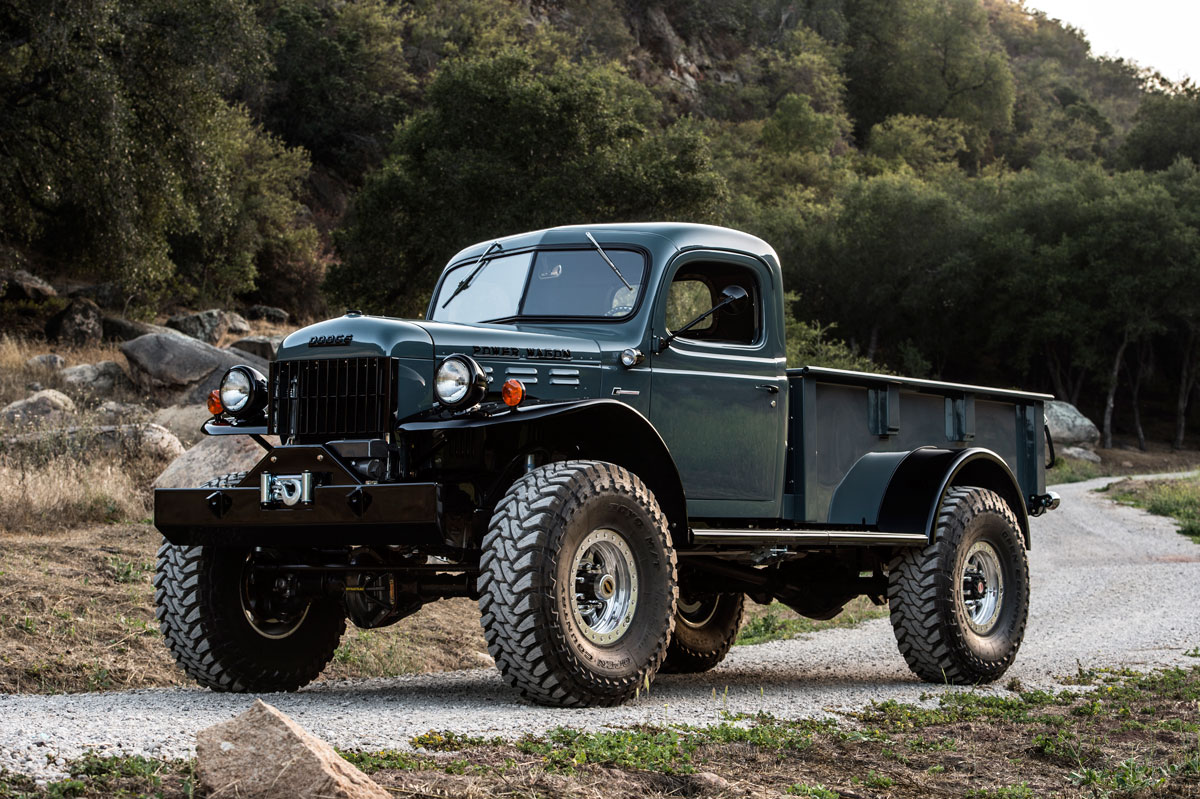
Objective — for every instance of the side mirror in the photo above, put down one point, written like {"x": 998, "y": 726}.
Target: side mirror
{"x": 734, "y": 293}
{"x": 729, "y": 295}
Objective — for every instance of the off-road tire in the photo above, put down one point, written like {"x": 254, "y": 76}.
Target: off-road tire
{"x": 526, "y": 584}
{"x": 926, "y": 594}
{"x": 199, "y": 608}
{"x": 699, "y": 645}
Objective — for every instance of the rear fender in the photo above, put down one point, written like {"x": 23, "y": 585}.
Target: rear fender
{"x": 901, "y": 492}
{"x": 599, "y": 429}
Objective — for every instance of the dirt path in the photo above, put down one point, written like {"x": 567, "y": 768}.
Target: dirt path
{"x": 1112, "y": 586}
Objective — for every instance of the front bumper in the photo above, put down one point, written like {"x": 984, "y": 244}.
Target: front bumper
{"x": 342, "y": 509}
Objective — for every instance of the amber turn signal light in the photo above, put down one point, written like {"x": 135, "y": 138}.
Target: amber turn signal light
{"x": 512, "y": 392}
{"x": 214, "y": 402}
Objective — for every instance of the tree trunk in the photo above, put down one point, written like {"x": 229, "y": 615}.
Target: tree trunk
{"x": 1111, "y": 399}
{"x": 1187, "y": 378}
{"x": 1056, "y": 373}
{"x": 1135, "y": 386}
{"x": 873, "y": 343}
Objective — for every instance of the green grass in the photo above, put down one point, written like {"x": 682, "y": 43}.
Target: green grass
{"x": 1072, "y": 470}
{"x": 817, "y": 791}
{"x": 1178, "y": 499}
{"x": 772, "y": 625}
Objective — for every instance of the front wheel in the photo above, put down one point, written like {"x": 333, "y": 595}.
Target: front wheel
{"x": 577, "y": 585}
{"x": 959, "y": 605}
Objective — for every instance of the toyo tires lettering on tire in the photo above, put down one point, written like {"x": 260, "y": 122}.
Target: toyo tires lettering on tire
{"x": 959, "y": 605}
{"x": 705, "y": 628}
{"x": 214, "y": 620}
{"x": 577, "y": 585}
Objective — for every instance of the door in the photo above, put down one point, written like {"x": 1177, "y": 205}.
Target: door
{"x": 719, "y": 389}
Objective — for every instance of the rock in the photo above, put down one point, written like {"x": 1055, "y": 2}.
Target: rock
{"x": 208, "y": 326}
{"x": 263, "y": 754}
{"x": 78, "y": 323}
{"x": 17, "y": 284}
{"x": 1079, "y": 453}
{"x": 119, "y": 329}
{"x": 49, "y": 361}
{"x": 708, "y": 781}
{"x": 213, "y": 456}
{"x": 1069, "y": 427}
{"x": 268, "y": 313}
{"x": 185, "y": 421}
{"x": 98, "y": 378}
{"x": 138, "y": 440}
{"x": 106, "y": 295}
{"x": 264, "y": 347}
{"x": 43, "y": 408}
{"x": 237, "y": 323}
{"x": 185, "y": 368}
{"x": 113, "y": 412}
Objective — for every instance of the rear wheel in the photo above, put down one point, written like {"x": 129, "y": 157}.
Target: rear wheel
{"x": 959, "y": 605}
{"x": 705, "y": 628}
{"x": 577, "y": 585}
{"x": 233, "y": 628}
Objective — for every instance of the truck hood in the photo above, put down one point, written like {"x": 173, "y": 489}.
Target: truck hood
{"x": 552, "y": 366}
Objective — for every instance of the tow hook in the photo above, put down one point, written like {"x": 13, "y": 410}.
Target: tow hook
{"x": 1040, "y": 503}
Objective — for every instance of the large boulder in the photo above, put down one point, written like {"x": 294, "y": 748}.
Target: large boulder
{"x": 115, "y": 413}
{"x": 208, "y": 326}
{"x": 183, "y": 368}
{"x": 79, "y": 323}
{"x": 44, "y": 408}
{"x": 213, "y": 456}
{"x": 117, "y": 328}
{"x": 185, "y": 421}
{"x": 264, "y": 347}
{"x": 96, "y": 378}
{"x": 1069, "y": 427}
{"x": 267, "y": 313}
{"x": 17, "y": 284}
{"x": 50, "y": 361}
{"x": 130, "y": 441}
{"x": 263, "y": 754}
{"x": 236, "y": 323}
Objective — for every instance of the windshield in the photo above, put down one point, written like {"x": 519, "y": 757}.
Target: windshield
{"x": 543, "y": 283}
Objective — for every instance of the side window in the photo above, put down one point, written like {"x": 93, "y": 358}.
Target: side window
{"x": 697, "y": 287}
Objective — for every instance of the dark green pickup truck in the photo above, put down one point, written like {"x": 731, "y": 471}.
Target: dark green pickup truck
{"x": 594, "y": 433}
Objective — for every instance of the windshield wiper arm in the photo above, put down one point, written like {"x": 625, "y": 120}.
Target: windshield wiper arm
{"x": 607, "y": 260}
{"x": 466, "y": 281}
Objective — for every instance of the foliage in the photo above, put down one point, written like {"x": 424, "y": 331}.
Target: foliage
{"x": 509, "y": 143}
{"x": 1178, "y": 499}
{"x": 340, "y": 81}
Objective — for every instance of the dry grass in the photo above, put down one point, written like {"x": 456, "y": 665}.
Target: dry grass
{"x": 16, "y": 376}
{"x": 77, "y": 614}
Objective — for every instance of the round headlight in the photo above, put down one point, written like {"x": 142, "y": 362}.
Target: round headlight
{"x": 459, "y": 382}
{"x": 236, "y": 389}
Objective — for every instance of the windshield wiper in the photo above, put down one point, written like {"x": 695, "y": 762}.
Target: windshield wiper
{"x": 607, "y": 260}
{"x": 466, "y": 281}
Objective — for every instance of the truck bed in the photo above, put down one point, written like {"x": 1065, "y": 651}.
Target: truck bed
{"x": 838, "y": 416}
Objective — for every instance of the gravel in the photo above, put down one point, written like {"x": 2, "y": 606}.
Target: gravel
{"x": 1112, "y": 586}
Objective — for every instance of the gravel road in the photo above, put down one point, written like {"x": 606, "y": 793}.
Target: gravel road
{"x": 1112, "y": 586}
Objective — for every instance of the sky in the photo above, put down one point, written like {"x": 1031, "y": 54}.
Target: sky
{"x": 1155, "y": 33}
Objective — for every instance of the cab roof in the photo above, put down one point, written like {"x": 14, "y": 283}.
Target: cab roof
{"x": 660, "y": 238}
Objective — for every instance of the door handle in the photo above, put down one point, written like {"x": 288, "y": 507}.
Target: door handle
{"x": 769, "y": 388}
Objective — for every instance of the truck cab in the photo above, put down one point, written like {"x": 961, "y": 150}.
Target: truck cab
{"x": 594, "y": 432}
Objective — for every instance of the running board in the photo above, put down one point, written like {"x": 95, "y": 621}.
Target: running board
{"x": 809, "y": 538}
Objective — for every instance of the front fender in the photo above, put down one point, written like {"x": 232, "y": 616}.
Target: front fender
{"x": 600, "y": 429}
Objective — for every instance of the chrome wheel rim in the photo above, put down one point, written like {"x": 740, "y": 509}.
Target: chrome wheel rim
{"x": 697, "y": 613}
{"x": 269, "y": 625}
{"x": 981, "y": 587}
{"x": 605, "y": 592}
